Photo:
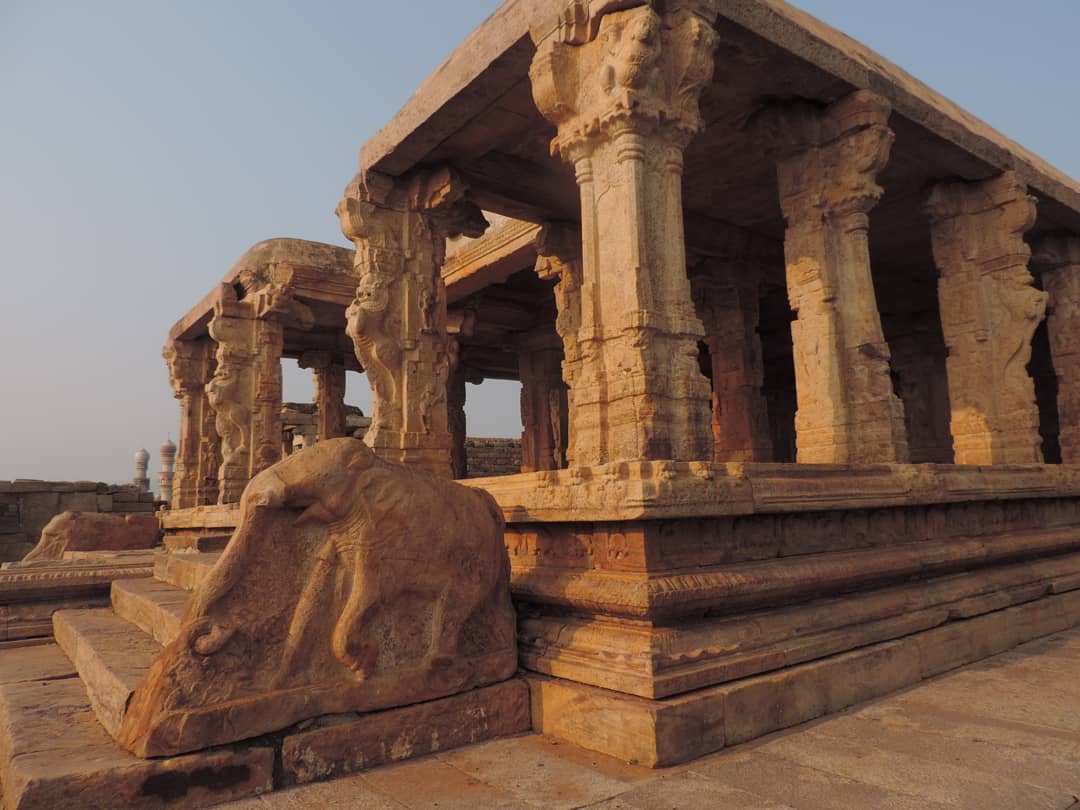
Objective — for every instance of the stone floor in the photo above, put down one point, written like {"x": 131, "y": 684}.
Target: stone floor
{"x": 1004, "y": 733}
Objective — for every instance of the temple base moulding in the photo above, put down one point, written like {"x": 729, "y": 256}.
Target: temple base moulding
{"x": 667, "y": 732}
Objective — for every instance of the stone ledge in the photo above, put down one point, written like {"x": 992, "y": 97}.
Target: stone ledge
{"x": 645, "y": 490}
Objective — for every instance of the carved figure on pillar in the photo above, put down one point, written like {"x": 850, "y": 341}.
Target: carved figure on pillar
{"x": 1058, "y": 257}
{"x": 245, "y": 391}
{"x": 828, "y": 159}
{"x": 726, "y": 294}
{"x": 989, "y": 312}
{"x": 622, "y": 86}
{"x": 228, "y": 393}
{"x": 398, "y": 321}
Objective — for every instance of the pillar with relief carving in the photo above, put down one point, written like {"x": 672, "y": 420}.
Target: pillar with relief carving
{"x": 827, "y": 166}
{"x": 989, "y": 312}
{"x": 398, "y": 321}
{"x": 245, "y": 390}
{"x": 190, "y": 364}
{"x": 1058, "y": 258}
{"x": 622, "y": 89}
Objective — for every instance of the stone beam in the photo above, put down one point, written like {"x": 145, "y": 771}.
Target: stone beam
{"x": 989, "y": 312}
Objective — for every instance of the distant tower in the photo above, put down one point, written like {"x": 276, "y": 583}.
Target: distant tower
{"x": 142, "y": 461}
{"x": 168, "y": 465}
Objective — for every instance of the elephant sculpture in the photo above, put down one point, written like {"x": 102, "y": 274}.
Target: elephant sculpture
{"x": 350, "y": 584}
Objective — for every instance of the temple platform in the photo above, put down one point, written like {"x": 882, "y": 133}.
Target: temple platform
{"x": 1004, "y": 733}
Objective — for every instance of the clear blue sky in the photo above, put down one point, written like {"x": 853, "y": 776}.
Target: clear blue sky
{"x": 144, "y": 146}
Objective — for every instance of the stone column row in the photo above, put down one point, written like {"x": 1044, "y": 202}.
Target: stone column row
{"x": 621, "y": 86}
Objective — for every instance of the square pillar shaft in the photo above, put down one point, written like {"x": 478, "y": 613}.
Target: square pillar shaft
{"x": 625, "y": 105}
{"x": 989, "y": 312}
{"x": 1059, "y": 259}
{"x": 190, "y": 364}
{"x": 543, "y": 403}
{"x": 726, "y": 296}
{"x": 398, "y": 322}
{"x": 328, "y": 373}
{"x": 828, "y": 164}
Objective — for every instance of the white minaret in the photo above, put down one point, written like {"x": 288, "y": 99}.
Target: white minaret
{"x": 168, "y": 466}
{"x": 142, "y": 462}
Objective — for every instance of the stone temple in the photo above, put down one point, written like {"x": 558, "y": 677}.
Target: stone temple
{"x": 799, "y": 348}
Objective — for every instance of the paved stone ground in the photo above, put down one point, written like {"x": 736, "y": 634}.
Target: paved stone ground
{"x": 1004, "y": 733}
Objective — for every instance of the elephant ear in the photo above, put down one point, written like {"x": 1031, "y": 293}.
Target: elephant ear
{"x": 362, "y": 458}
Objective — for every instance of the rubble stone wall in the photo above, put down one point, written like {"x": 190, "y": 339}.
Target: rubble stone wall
{"x": 493, "y": 457}
{"x": 26, "y": 506}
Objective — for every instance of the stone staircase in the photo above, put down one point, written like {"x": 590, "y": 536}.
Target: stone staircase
{"x": 62, "y": 703}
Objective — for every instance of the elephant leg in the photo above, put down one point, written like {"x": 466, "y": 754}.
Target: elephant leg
{"x": 348, "y": 639}
{"x": 447, "y": 619}
{"x": 310, "y": 604}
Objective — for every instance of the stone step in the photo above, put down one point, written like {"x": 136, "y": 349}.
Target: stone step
{"x": 111, "y": 656}
{"x": 54, "y": 752}
{"x": 184, "y": 569}
{"x": 154, "y": 606}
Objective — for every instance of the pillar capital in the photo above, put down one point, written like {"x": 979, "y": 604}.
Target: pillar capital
{"x": 989, "y": 217}
{"x": 186, "y": 361}
{"x": 1055, "y": 251}
{"x": 828, "y": 157}
{"x": 620, "y": 69}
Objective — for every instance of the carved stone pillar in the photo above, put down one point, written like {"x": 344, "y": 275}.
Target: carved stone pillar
{"x": 989, "y": 312}
{"x": 622, "y": 88}
{"x": 329, "y": 375}
{"x": 558, "y": 250}
{"x": 829, "y": 159}
{"x": 543, "y": 402}
{"x": 245, "y": 391}
{"x": 398, "y": 320}
{"x": 190, "y": 364}
{"x": 1059, "y": 259}
{"x": 726, "y": 296}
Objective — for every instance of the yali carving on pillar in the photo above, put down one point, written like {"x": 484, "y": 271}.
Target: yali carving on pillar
{"x": 398, "y": 321}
